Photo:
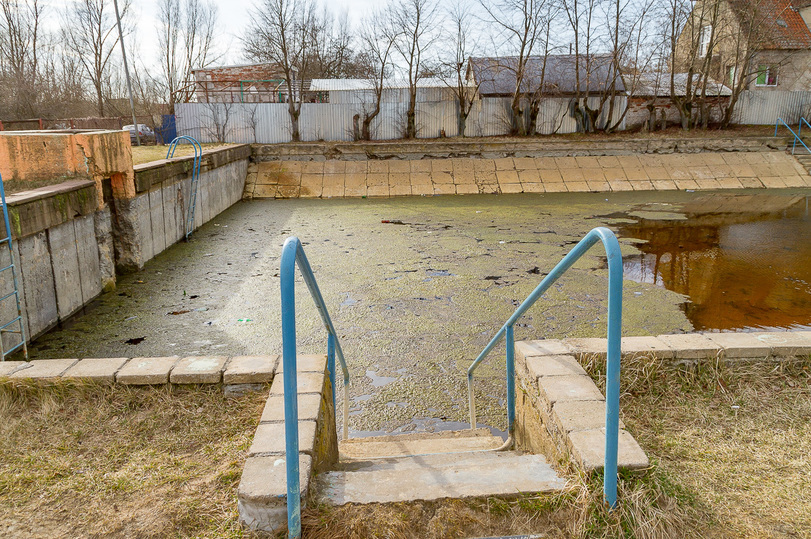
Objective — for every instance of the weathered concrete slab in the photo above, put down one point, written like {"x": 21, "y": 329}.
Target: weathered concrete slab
{"x": 589, "y": 347}
{"x": 308, "y": 408}
{"x": 262, "y": 492}
{"x": 198, "y": 370}
{"x": 690, "y": 346}
{"x": 9, "y": 367}
{"x": 67, "y": 277}
{"x": 572, "y": 416}
{"x": 740, "y": 345}
{"x": 306, "y": 363}
{"x": 146, "y": 370}
{"x": 249, "y": 369}
{"x": 548, "y": 347}
{"x": 588, "y": 447}
{"x": 404, "y": 445}
{"x": 157, "y": 220}
{"x": 87, "y": 251}
{"x": 553, "y": 366}
{"x": 143, "y": 221}
{"x": 44, "y": 369}
{"x": 37, "y": 279}
{"x": 555, "y": 389}
{"x": 96, "y": 369}
{"x": 269, "y": 438}
{"x": 786, "y": 343}
{"x": 307, "y": 382}
{"x": 636, "y": 346}
{"x": 433, "y": 477}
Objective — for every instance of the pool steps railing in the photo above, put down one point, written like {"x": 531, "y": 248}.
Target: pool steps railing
{"x": 292, "y": 256}
{"x": 195, "y": 175}
{"x": 614, "y": 255}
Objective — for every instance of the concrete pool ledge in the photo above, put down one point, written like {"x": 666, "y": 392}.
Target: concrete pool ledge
{"x": 228, "y": 371}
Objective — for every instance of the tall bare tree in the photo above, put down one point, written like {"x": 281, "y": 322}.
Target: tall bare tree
{"x": 20, "y": 35}
{"x": 281, "y": 32}
{"x": 185, "y": 41}
{"x": 518, "y": 24}
{"x": 459, "y": 45}
{"x": 375, "y": 61}
{"x": 412, "y": 27}
{"x": 89, "y": 31}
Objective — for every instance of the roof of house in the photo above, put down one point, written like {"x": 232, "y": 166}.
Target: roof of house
{"x": 497, "y": 75}
{"x": 657, "y": 84}
{"x": 779, "y": 20}
{"x": 337, "y": 85}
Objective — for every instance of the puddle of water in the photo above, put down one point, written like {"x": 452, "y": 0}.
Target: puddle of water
{"x": 421, "y": 425}
{"x": 744, "y": 261}
{"x": 379, "y": 381}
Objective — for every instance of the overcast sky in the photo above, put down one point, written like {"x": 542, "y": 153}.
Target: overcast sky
{"x": 234, "y": 15}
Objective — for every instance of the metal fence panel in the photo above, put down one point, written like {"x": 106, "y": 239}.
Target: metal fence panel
{"x": 268, "y": 123}
{"x": 763, "y": 107}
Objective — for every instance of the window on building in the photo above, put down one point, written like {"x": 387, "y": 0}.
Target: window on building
{"x": 704, "y": 40}
{"x": 731, "y": 76}
{"x": 766, "y": 75}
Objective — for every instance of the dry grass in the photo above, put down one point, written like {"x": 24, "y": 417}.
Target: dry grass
{"x": 81, "y": 460}
{"x": 147, "y": 154}
{"x": 733, "y": 438}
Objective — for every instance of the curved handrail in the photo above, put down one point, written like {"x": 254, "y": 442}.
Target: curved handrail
{"x": 198, "y": 156}
{"x": 293, "y": 254}
{"x": 612, "y": 250}
{"x": 796, "y": 136}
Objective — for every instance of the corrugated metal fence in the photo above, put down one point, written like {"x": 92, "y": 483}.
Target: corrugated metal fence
{"x": 268, "y": 123}
{"x": 763, "y": 107}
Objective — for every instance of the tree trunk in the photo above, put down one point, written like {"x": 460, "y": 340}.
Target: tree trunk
{"x": 294, "y": 115}
{"x": 356, "y": 127}
{"x": 411, "y": 114}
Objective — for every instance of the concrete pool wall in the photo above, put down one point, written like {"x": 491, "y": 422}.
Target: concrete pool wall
{"x": 70, "y": 239}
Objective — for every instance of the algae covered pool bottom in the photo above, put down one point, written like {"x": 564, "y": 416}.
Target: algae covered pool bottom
{"x": 416, "y": 288}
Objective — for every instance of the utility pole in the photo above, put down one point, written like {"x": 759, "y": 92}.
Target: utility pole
{"x": 127, "y": 72}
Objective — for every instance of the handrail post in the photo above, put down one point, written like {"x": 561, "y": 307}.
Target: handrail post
{"x": 510, "y": 342}
{"x": 331, "y": 364}
{"x": 288, "y": 281}
{"x": 614, "y": 351}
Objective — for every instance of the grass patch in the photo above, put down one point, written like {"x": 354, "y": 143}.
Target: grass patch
{"x": 147, "y": 154}
{"x": 97, "y": 460}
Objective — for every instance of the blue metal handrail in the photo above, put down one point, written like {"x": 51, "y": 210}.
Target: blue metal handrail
{"x": 800, "y": 130}
{"x": 796, "y": 136}
{"x": 292, "y": 254}
{"x": 195, "y": 175}
{"x": 612, "y": 250}
{"x": 13, "y": 267}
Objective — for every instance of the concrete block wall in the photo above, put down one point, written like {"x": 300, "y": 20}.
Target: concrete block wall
{"x": 68, "y": 243}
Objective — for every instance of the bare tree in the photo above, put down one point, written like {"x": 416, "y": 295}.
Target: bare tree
{"x": 377, "y": 42}
{"x": 185, "y": 41}
{"x": 460, "y": 43}
{"x": 89, "y": 31}
{"x": 518, "y": 24}
{"x": 281, "y": 32}
{"x": 411, "y": 26}
{"x": 20, "y": 33}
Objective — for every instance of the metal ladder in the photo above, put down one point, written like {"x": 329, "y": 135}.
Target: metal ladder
{"x": 8, "y": 328}
{"x": 195, "y": 175}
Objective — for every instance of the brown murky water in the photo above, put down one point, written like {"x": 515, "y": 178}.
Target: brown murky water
{"x": 744, "y": 261}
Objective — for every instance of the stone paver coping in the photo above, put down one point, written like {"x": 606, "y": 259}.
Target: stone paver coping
{"x": 685, "y": 346}
{"x": 149, "y": 371}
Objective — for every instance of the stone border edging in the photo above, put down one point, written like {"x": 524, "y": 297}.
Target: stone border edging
{"x": 147, "y": 371}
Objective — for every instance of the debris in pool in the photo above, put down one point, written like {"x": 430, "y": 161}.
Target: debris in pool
{"x": 392, "y": 222}
{"x": 244, "y": 320}
{"x": 136, "y": 340}
{"x": 175, "y": 313}
{"x": 492, "y": 278}
{"x": 194, "y": 296}
{"x": 130, "y": 318}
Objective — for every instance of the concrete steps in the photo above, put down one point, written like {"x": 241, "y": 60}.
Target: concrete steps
{"x": 804, "y": 160}
{"x": 459, "y": 464}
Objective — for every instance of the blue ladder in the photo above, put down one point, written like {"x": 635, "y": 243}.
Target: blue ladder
{"x": 8, "y": 328}
{"x": 195, "y": 175}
